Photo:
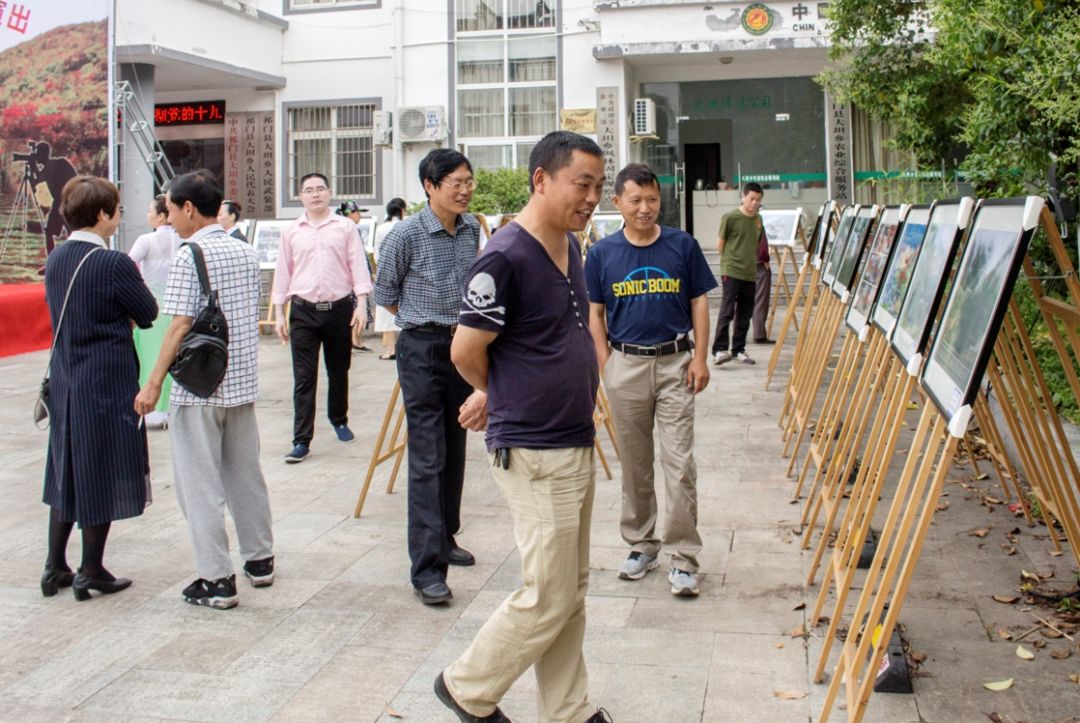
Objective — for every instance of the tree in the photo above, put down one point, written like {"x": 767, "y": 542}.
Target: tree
{"x": 503, "y": 190}
{"x": 986, "y": 86}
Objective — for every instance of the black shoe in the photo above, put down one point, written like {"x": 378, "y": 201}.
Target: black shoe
{"x": 362, "y": 347}
{"x": 443, "y": 694}
{"x": 260, "y": 572}
{"x": 52, "y": 580}
{"x": 600, "y": 716}
{"x": 764, "y": 341}
{"x": 461, "y": 557}
{"x": 220, "y": 593}
{"x": 433, "y": 594}
{"x": 105, "y": 583}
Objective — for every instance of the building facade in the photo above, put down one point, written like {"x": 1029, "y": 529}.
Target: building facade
{"x": 263, "y": 91}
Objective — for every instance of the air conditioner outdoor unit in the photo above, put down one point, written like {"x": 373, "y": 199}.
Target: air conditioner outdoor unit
{"x": 382, "y": 135}
{"x": 644, "y": 117}
{"x": 421, "y": 124}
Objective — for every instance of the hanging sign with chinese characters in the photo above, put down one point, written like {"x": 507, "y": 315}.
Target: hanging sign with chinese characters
{"x": 249, "y": 162}
{"x": 838, "y": 143}
{"x": 196, "y": 113}
{"x": 578, "y": 120}
{"x": 607, "y": 134}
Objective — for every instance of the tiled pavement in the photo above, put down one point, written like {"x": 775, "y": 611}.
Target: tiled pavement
{"x": 340, "y": 636}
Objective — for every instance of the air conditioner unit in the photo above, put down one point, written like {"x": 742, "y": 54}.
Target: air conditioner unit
{"x": 421, "y": 124}
{"x": 644, "y": 117}
{"x": 382, "y": 134}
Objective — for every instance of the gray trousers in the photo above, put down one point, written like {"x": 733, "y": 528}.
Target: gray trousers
{"x": 762, "y": 290}
{"x": 215, "y": 452}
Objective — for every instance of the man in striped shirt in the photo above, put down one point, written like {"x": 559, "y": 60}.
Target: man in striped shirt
{"x": 422, "y": 267}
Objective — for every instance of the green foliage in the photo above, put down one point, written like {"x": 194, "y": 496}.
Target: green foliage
{"x": 503, "y": 190}
{"x": 988, "y": 85}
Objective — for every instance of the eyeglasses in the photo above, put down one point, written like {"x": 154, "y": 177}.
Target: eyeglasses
{"x": 313, "y": 190}
{"x": 459, "y": 185}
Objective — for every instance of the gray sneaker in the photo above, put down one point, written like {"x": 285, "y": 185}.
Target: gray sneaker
{"x": 745, "y": 358}
{"x": 683, "y": 583}
{"x": 722, "y": 357}
{"x": 635, "y": 566}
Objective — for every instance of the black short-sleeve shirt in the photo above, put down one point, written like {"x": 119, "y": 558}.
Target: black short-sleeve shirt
{"x": 542, "y": 375}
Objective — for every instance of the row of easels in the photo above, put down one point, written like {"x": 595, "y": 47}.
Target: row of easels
{"x": 870, "y": 400}
{"x": 393, "y": 440}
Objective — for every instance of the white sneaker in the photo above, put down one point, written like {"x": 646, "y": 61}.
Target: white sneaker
{"x": 683, "y": 583}
{"x": 635, "y": 566}
{"x": 745, "y": 358}
{"x": 722, "y": 357}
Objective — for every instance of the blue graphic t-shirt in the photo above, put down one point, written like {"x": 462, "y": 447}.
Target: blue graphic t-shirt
{"x": 646, "y": 291}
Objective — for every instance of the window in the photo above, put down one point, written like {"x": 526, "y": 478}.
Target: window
{"x": 294, "y": 5}
{"x": 504, "y": 14}
{"x": 334, "y": 140}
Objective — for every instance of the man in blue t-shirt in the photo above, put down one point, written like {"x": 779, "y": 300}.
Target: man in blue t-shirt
{"x": 647, "y": 290}
{"x": 523, "y": 337}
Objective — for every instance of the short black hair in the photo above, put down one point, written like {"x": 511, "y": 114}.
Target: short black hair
{"x": 755, "y": 187}
{"x": 159, "y": 205}
{"x": 553, "y": 152}
{"x": 232, "y": 208}
{"x": 306, "y": 176}
{"x": 395, "y": 208}
{"x": 439, "y": 164}
{"x": 200, "y": 188}
{"x": 638, "y": 173}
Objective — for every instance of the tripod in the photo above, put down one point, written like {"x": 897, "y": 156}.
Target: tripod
{"x": 20, "y": 211}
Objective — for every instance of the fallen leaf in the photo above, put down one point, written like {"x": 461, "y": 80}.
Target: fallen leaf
{"x": 1023, "y": 653}
{"x": 779, "y": 645}
{"x": 1060, "y": 654}
{"x": 1038, "y": 644}
{"x": 1004, "y": 634}
{"x": 995, "y": 717}
{"x": 1007, "y": 599}
{"x": 1014, "y": 531}
{"x": 800, "y": 606}
{"x": 1075, "y": 677}
{"x": 981, "y": 477}
{"x": 798, "y": 632}
{"x": 1025, "y": 575}
{"x": 980, "y": 533}
{"x": 999, "y": 685}
{"x": 823, "y": 620}
{"x": 393, "y": 713}
{"x": 1057, "y": 553}
{"x": 942, "y": 506}
{"x": 913, "y": 405}
{"x": 1010, "y": 551}
{"x": 789, "y": 694}
{"x": 1050, "y": 633}
{"x": 992, "y": 500}
{"x": 793, "y": 502}
{"x": 918, "y": 656}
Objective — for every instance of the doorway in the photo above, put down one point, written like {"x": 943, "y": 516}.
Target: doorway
{"x": 702, "y": 173}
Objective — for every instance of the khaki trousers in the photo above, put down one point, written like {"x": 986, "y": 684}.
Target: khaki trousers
{"x": 643, "y": 391}
{"x": 550, "y": 494}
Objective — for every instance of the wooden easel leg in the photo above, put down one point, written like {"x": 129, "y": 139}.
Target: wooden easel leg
{"x": 377, "y": 454}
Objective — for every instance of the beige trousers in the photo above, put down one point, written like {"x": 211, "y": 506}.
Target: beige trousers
{"x": 550, "y": 494}
{"x": 643, "y": 391}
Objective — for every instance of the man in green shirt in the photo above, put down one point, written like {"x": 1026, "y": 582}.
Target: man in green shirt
{"x": 740, "y": 232}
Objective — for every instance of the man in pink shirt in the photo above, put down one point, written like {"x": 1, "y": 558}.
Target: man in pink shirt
{"x": 321, "y": 267}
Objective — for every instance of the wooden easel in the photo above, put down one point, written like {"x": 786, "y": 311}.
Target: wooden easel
{"x": 399, "y": 440}
{"x": 805, "y": 285}
{"x": 782, "y": 254}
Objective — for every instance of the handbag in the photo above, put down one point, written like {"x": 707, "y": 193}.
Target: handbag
{"x": 41, "y": 404}
{"x": 203, "y": 356}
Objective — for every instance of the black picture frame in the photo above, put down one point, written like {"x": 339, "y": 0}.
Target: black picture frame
{"x": 948, "y": 219}
{"x": 977, "y": 303}
{"x": 840, "y": 241}
{"x": 812, "y": 237}
{"x": 893, "y": 287}
{"x": 823, "y": 232}
{"x": 856, "y": 245}
{"x": 874, "y": 263}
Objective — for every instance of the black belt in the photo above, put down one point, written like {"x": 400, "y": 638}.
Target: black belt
{"x": 441, "y": 329}
{"x": 662, "y": 349}
{"x": 322, "y": 305}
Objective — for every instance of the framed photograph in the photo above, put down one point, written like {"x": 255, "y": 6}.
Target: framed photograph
{"x": 839, "y": 244}
{"x": 267, "y": 236}
{"x": 875, "y": 261}
{"x": 898, "y": 273}
{"x": 819, "y": 239}
{"x": 604, "y": 224}
{"x": 782, "y": 227}
{"x": 860, "y": 231}
{"x": 948, "y": 219}
{"x": 978, "y": 300}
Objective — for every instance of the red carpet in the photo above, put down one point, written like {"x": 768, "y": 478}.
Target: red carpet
{"x": 24, "y": 319}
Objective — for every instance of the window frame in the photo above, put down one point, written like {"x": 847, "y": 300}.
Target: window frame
{"x": 329, "y": 6}
{"x": 291, "y": 198}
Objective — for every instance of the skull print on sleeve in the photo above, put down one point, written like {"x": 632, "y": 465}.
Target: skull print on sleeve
{"x": 488, "y": 290}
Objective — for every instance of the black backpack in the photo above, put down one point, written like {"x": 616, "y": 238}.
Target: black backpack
{"x": 203, "y": 357}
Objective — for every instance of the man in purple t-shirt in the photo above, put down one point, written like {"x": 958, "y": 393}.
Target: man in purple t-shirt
{"x": 523, "y": 336}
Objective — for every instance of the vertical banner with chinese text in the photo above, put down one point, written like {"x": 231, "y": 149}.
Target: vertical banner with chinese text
{"x": 249, "y": 162}
{"x": 54, "y": 99}
{"x": 607, "y": 135}
{"x": 838, "y": 145}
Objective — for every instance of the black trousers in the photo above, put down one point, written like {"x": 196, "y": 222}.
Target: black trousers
{"x": 433, "y": 392}
{"x": 737, "y": 303}
{"x": 310, "y": 329}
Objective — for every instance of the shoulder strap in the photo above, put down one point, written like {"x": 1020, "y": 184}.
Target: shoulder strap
{"x": 200, "y": 267}
{"x": 63, "y": 307}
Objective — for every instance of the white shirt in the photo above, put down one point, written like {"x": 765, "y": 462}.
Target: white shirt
{"x": 380, "y": 233}
{"x": 153, "y": 252}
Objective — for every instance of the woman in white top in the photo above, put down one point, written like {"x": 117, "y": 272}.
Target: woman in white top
{"x": 384, "y": 320}
{"x": 153, "y": 253}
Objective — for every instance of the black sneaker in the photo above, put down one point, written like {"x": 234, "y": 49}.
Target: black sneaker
{"x": 600, "y": 716}
{"x": 443, "y": 694}
{"x": 260, "y": 572}
{"x": 220, "y": 593}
